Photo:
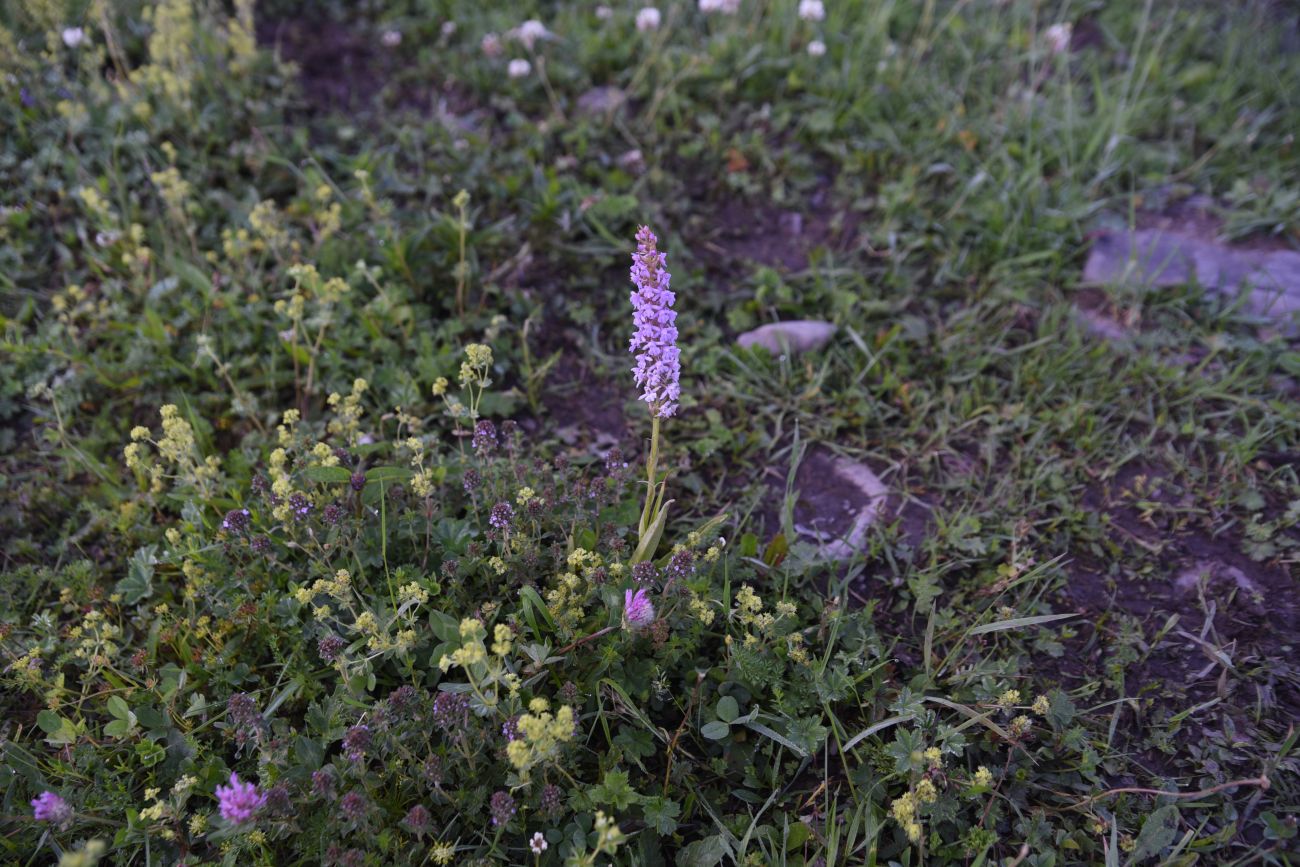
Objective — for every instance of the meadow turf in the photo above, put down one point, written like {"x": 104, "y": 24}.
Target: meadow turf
{"x": 322, "y": 462}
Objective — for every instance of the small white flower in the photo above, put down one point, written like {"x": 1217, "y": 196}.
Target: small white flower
{"x": 1058, "y": 37}
{"x": 391, "y": 38}
{"x": 518, "y": 68}
{"x": 491, "y": 45}
{"x": 530, "y": 31}
{"x": 448, "y": 28}
{"x": 647, "y": 19}
{"x": 816, "y": 48}
{"x": 812, "y": 10}
{"x": 538, "y": 843}
{"x": 726, "y": 7}
{"x": 604, "y": 13}
{"x": 73, "y": 36}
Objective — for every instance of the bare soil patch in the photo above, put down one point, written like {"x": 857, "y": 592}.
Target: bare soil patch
{"x": 1234, "y": 614}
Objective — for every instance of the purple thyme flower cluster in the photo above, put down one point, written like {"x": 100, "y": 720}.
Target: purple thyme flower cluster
{"x": 236, "y": 520}
{"x": 485, "y": 437}
{"x": 451, "y": 712}
{"x": 502, "y": 807}
{"x": 502, "y": 515}
{"x": 356, "y": 741}
{"x": 239, "y": 802}
{"x": 658, "y": 366}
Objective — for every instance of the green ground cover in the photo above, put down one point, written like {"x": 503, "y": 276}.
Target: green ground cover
{"x": 323, "y": 464}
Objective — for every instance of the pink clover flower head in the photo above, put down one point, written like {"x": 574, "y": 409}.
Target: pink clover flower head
{"x": 658, "y": 361}
{"x": 239, "y": 802}
{"x": 638, "y": 610}
{"x": 50, "y": 807}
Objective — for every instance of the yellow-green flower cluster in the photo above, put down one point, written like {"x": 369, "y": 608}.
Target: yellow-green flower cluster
{"x": 583, "y": 562}
{"x": 566, "y": 600}
{"x": 268, "y": 224}
{"x": 348, "y": 410}
{"x": 173, "y": 188}
{"x": 749, "y": 611}
{"x": 412, "y": 594}
{"x": 472, "y": 651}
{"x": 328, "y": 214}
{"x": 701, "y": 610}
{"x": 503, "y": 641}
{"x": 277, "y": 468}
{"x": 339, "y": 587}
{"x": 170, "y": 71}
{"x": 474, "y": 378}
{"x": 176, "y": 446}
{"x": 475, "y": 368}
{"x": 96, "y": 639}
{"x": 241, "y": 39}
{"x": 541, "y": 735}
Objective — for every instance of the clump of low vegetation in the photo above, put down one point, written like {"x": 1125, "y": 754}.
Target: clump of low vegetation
{"x": 383, "y": 482}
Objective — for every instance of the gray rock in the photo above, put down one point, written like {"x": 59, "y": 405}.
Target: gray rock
{"x": 797, "y": 335}
{"x": 839, "y": 501}
{"x": 1153, "y": 257}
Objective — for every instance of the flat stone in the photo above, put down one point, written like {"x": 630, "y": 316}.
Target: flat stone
{"x": 1209, "y": 570}
{"x": 601, "y": 100}
{"x": 1162, "y": 257}
{"x": 796, "y": 335}
{"x": 839, "y": 501}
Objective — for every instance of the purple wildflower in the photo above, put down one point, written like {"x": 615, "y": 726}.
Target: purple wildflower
{"x": 278, "y": 801}
{"x": 322, "y": 784}
{"x": 403, "y": 699}
{"x": 357, "y": 481}
{"x": 432, "y": 771}
{"x": 471, "y": 481}
{"x": 510, "y": 728}
{"x": 551, "y": 804}
{"x": 681, "y": 566}
{"x": 50, "y": 807}
{"x": 356, "y": 741}
{"x": 300, "y": 505}
{"x": 355, "y": 806}
{"x": 502, "y": 514}
{"x": 485, "y": 437}
{"x": 451, "y": 712}
{"x": 638, "y": 610}
{"x": 502, "y": 807}
{"x": 418, "y": 821}
{"x": 644, "y": 572}
{"x": 236, "y": 520}
{"x": 658, "y": 367}
{"x": 239, "y": 802}
{"x": 330, "y": 647}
